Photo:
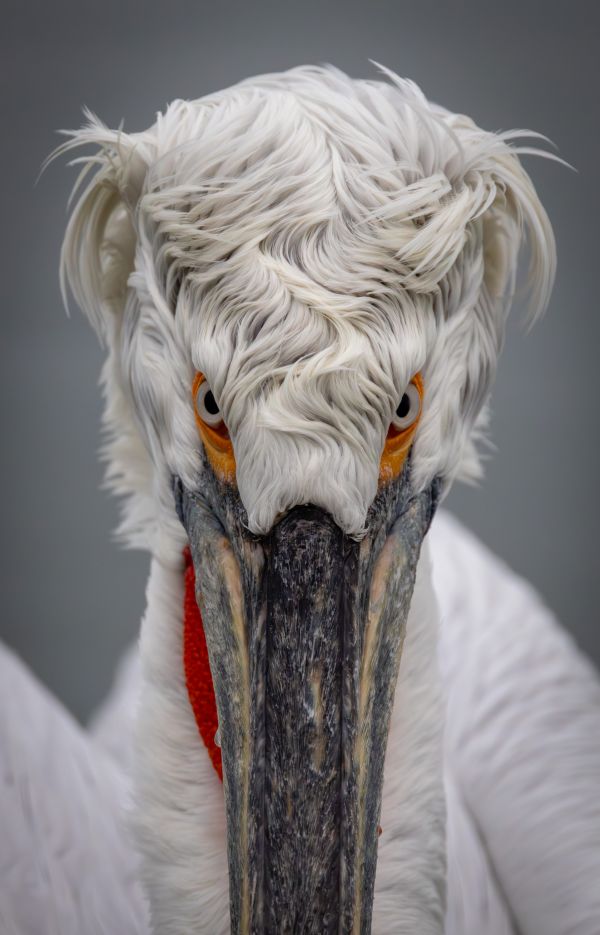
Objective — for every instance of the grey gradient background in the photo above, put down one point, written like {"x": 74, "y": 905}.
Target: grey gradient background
{"x": 71, "y": 600}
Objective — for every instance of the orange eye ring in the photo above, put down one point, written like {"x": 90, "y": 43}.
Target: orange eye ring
{"x": 215, "y": 438}
{"x": 219, "y": 448}
{"x": 398, "y": 441}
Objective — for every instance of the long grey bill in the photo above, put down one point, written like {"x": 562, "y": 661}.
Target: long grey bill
{"x": 304, "y": 629}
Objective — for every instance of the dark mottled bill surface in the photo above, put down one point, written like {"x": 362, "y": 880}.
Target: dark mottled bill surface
{"x": 304, "y": 628}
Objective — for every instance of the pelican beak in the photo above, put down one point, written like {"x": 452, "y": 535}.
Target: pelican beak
{"x": 304, "y": 628}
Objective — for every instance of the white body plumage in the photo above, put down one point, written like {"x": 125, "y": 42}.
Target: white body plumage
{"x": 309, "y": 243}
{"x": 521, "y": 767}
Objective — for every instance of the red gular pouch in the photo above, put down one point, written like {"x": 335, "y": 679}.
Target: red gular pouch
{"x": 198, "y": 678}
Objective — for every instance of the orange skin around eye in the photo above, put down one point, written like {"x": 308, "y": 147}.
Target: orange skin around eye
{"x": 398, "y": 442}
{"x": 217, "y": 442}
{"x": 219, "y": 449}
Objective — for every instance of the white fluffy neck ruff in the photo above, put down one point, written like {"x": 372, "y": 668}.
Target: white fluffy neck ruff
{"x": 179, "y": 817}
{"x": 180, "y": 812}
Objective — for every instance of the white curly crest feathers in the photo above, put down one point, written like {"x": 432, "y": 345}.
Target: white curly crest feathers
{"x": 309, "y": 242}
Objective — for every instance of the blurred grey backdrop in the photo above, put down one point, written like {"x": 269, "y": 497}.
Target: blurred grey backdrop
{"x": 71, "y": 599}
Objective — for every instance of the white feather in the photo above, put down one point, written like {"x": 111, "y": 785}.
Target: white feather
{"x": 309, "y": 242}
{"x": 522, "y": 761}
{"x": 67, "y": 862}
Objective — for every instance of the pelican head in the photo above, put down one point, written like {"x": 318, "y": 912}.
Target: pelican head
{"x": 303, "y": 283}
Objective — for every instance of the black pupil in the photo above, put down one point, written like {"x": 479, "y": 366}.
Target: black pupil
{"x": 404, "y": 407}
{"x": 210, "y": 404}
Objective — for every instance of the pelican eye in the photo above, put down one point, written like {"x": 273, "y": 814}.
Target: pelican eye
{"x": 206, "y": 405}
{"x": 408, "y": 409}
{"x": 212, "y": 429}
{"x": 402, "y": 430}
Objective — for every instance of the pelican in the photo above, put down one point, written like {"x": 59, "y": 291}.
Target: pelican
{"x": 345, "y": 714}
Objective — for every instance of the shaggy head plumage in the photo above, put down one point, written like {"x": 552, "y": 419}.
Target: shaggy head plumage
{"x": 309, "y": 242}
